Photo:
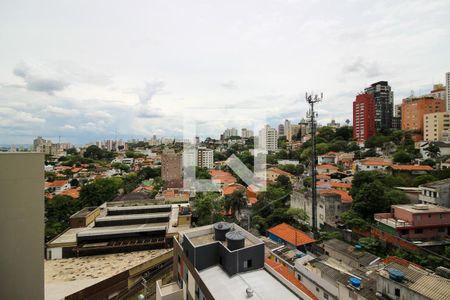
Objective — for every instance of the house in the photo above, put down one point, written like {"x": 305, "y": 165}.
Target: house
{"x": 410, "y": 169}
{"x": 371, "y": 164}
{"x": 57, "y": 186}
{"x": 334, "y": 185}
{"x": 346, "y": 158}
{"x": 228, "y": 190}
{"x": 444, "y": 149}
{"x": 349, "y": 255}
{"x": 323, "y": 177}
{"x": 273, "y": 173}
{"x": 326, "y": 169}
{"x": 252, "y": 194}
{"x": 221, "y": 177}
{"x": 331, "y": 203}
{"x": 288, "y": 235}
{"x": 74, "y": 193}
{"x": 416, "y": 222}
{"x": 328, "y": 158}
{"x": 436, "y": 192}
{"x": 400, "y": 279}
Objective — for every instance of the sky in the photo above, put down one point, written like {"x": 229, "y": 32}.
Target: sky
{"x": 94, "y": 70}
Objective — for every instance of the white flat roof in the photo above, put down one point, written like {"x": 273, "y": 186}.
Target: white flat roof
{"x": 264, "y": 285}
{"x": 125, "y": 208}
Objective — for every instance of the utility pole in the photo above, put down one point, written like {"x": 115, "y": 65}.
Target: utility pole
{"x": 312, "y": 99}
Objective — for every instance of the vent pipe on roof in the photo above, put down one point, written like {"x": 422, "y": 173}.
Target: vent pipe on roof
{"x": 249, "y": 292}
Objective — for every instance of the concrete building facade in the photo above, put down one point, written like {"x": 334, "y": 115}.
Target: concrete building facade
{"x": 436, "y": 127}
{"x": 171, "y": 169}
{"x": 414, "y": 110}
{"x": 268, "y": 138}
{"x": 22, "y": 225}
{"x": 363, "y": 117}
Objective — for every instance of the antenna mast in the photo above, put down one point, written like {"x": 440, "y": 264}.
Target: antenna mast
{"x": 312, "y": 99}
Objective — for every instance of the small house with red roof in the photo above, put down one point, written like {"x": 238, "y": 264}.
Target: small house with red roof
{"x": 228, "y": 190}
{"x": 286, "y": 234}
{"x": 410, "y": 169}
{"x": 328, "y": 158}
{"x": 57, "y": 186}
{"x": 326, "y": 169}
{"x": 273, "y": 173}
{"x": 222, "y": 177}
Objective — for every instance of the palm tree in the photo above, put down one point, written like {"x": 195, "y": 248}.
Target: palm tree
{"x": 235, "y": 202}
{"x": 433, "y": 151}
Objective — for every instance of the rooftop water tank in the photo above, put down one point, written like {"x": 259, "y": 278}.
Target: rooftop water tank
{"x": 358, "y": 247}
{"x": 355, "y": 282}
{"x": 396, "y": 275}
{"x": 220, "y": 229}
{"x": 235, "y": 240}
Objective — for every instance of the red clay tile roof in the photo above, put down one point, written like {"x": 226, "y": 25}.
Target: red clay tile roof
{"x": 74, "y": 193}
{"x": 322, "y": 176}
{"x": 230, "y": 189}
{"x": 56, "y": 183}
{"x": 75, "y": 170}
{"x": 280, "y": 172}
{"x": 284, "y": 271}
{"x": 252, "y": 200}
{"x": 411, "y": 168}
{"x": 222, "y": 176}
{"x": 345, "y": 197}
{"x": 376, "y": 163}
{"x": 291, "y": 235}
{"x": 326, "y": 166}
{"x": 335, "y": 184}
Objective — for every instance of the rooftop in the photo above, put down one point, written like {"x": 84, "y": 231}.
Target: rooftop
{"x": 291, "y": 235}
{"x": 363, "y": 257}
{"x": 67, "y": 276}
{"x": 326, "y": 166}
{"x": 411, "y": 168}
{"x": 436, "y": 184}
{"x": 263, "y": 284}
{"x": 345, "y": 197}
{"x": 421, "y": 281}
{"x": 422, "y": 208}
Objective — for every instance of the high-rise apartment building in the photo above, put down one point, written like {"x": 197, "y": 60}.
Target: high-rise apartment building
{"x": 268, "y": 138}
{"x": 281, "y": 130}
{"x": 363, "y": 117}
{"x": 288, "y": 130}
{"x": 436, "y": 127}
{"x": 229, "y": 132}
{"x": 413, "y": 111}
{"x": 205, "y": 158}
{"x": 171, "y": 169}
{"x": 246, "y": 133}
{"x": 447, "y": 90}
{"x": 384, "y": 104}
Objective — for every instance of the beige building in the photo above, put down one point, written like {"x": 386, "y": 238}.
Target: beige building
{"x": 436, "y": 127}
{"x": 22, "y": 226}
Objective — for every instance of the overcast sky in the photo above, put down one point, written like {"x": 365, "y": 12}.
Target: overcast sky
{"x": 84, "y": 70}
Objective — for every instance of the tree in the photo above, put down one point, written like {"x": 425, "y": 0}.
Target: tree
{"x": 353, "y": 220}
{"x": 370, "y": 199}
{"x": 235, "y": 202}
{"x": 100, "y": 191}
{"x": 395, "y": 197}
{"x": 202, "y": 173}
{"x": 322, "y": 148}
{"x": 284, "y": 182}
{"x": 71, "y": 151}
{"x": 401, "y": 157}
{"x": 148, "y": 172}
{"x": 370, "y": 244}
{"x": 422, "y": 179}
{"x": 293, "y": 169}
{"x": 432, "y": 150}
{"x": 327, "y": 133}
{"x": 130, "y": 182}
{"x": 207, "y": 208}
{"x": 93, "y": 152}
{"x": 57, "y": 213}
{"x": 74, "y": 182}
{"x": 428, "y": 162}
{"x": 121, "y": 167}
{"x": 345, "y": 133}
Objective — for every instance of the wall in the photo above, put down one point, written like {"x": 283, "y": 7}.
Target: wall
{"x": 22, "y": 225}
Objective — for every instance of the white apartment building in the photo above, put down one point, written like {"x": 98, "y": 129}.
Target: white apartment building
{"x": 447, "y": 89}
{"x": 268, "y": 138}
{"x": 205, "y": 158}
{"x": 246, "y": 133}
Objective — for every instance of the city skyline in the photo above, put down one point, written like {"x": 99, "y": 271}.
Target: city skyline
{"x": 102, "y": 76}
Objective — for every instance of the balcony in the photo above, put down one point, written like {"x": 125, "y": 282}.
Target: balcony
{"x": 389, "y": 220}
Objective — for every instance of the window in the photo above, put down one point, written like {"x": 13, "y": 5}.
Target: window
{"x": 325, "y": 295}
{"x": 397, "y": 292}
{"x": 299, "y": 277}
{"x": 317, "y": 289}
{"x": 404, "y": 231}
{"x": 247, "y": 264}
{"x": 441, "y": 229}
{"x": 418, "y": 231}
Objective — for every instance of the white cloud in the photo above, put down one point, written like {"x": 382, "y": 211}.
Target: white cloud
{"x": 59, "y": 111}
